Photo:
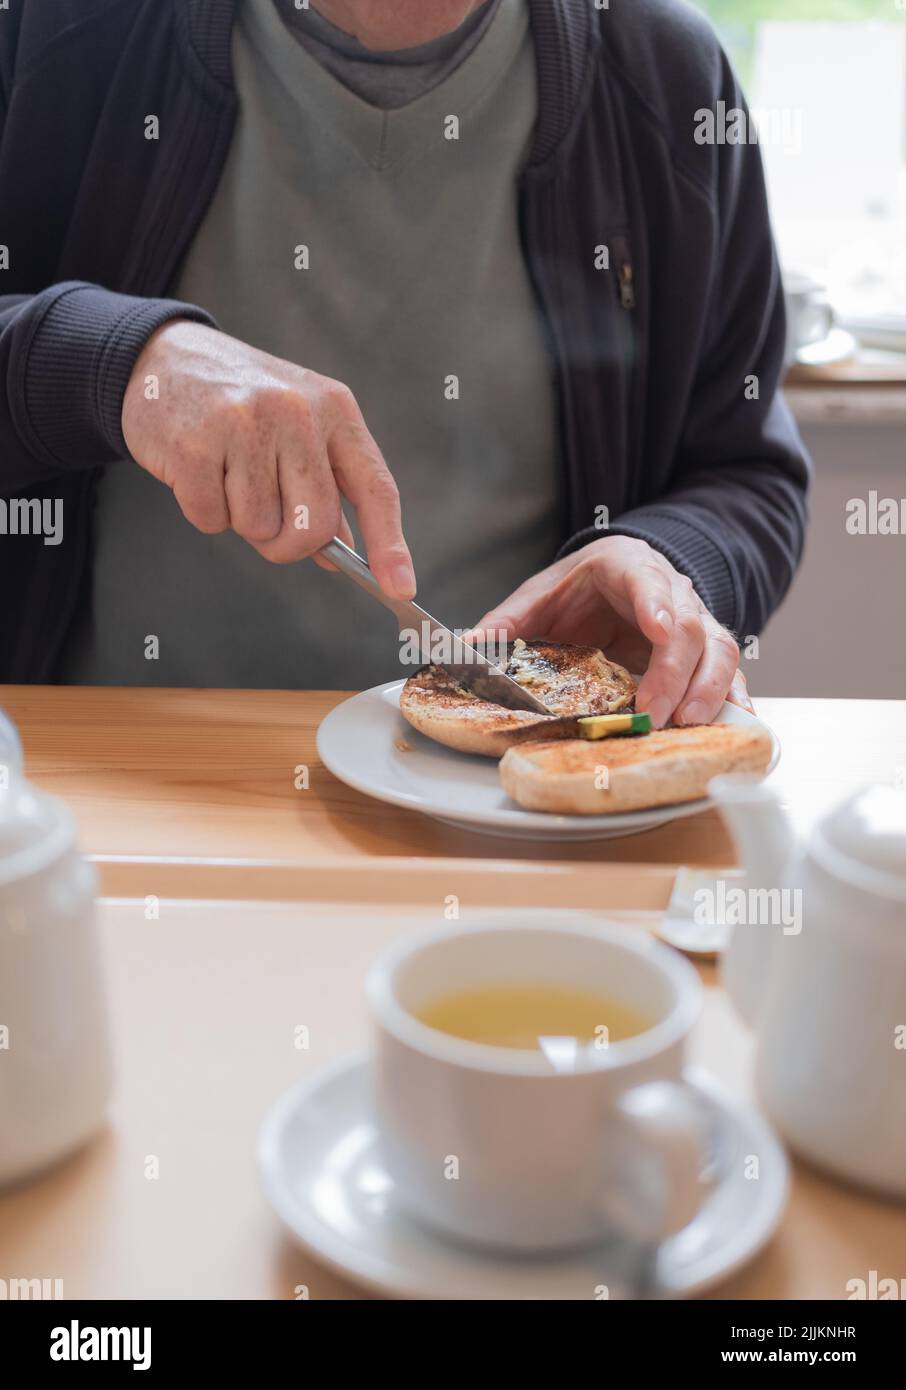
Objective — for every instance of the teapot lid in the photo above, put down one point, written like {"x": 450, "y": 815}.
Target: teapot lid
{"x": 34, "y": 829}
{"x": 870, "y": 831}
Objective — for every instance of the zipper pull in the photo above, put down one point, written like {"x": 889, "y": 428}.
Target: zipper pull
{"x": 627, "y": 289}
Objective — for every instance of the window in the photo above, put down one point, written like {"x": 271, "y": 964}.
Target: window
{"x": 826, "y": 82}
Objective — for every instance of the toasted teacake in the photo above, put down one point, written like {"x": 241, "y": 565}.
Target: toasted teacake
{"x": 569, "y": 680}
{"x": 576, "y": 777}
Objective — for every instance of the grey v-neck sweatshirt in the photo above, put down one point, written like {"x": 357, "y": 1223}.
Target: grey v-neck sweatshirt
{"x": 417, "y": 296}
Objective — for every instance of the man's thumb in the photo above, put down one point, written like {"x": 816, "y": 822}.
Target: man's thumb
{"x": 494, "y": 627}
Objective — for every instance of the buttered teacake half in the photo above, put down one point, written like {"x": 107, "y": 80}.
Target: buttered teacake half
{"x": 569, "y": 680}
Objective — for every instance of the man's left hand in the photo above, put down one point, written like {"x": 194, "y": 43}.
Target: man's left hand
{"x": 621, "y": 595}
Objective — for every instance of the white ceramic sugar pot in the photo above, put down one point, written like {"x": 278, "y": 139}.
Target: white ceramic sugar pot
{"x": 817, "y": 966}
{"x": 55, "y": 1070}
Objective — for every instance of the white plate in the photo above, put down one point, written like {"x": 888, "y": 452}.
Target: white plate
{"x": 320, "y": 1163}
{"x": 358, "y": 742}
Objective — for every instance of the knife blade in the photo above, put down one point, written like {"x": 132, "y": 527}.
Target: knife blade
{"x": 466, "y": 664}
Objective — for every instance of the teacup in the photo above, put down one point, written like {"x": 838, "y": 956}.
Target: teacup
{"x": 809, "y": 317}
{"x": 503, "y": 1147}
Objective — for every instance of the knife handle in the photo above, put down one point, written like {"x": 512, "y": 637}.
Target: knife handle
{"x": 356, "y": 568}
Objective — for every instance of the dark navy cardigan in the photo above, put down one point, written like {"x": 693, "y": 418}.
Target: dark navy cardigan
{"x": 667, "y": 363}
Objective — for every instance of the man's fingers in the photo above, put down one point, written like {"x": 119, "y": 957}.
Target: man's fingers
{"x": 525, "y": 612}
{"x": 738, "y": 694}
{"x": 713, "y": 676}
{"x": 199, "y": 491}
{"x": 344, "y": 532}
{"x": 364, "y": 478}
{"x": 253, "y": 497}
{"x": 521, "y": 615}
{"x": 309, "y": 498}
{"x": 485, "y": 631}
{"x": 649, "y": 591}
{"x": 672, "y": 665}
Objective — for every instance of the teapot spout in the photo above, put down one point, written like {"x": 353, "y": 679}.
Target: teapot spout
{"x": 763, "y": 838}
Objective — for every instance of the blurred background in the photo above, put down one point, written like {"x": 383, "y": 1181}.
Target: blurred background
{"x": 839, "y": 68}
{"x": 826, "y": 83}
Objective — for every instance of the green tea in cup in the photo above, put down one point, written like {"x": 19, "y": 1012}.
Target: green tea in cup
{"x": 521, "y": 1015}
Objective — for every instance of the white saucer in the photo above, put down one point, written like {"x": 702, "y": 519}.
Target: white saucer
{"x": 367, "y": 744}
{"x": 839, "y": 346}
{"x": 322, "y": 1173}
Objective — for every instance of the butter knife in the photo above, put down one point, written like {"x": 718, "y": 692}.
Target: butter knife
{"x": 467, "y": 664}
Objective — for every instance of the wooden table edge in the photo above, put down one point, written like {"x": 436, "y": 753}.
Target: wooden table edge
{"x": 390, "y": 880}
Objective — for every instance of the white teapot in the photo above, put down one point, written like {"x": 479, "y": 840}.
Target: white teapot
{"x": 817, "y": 967}
{"x": 55, "y": 1067}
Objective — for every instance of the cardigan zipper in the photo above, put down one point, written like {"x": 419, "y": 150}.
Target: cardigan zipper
{"x": 630, "y": 328}
{"x": 627, "y": 285}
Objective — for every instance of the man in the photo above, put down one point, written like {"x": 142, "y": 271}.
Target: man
{"x": 269, "y": 260}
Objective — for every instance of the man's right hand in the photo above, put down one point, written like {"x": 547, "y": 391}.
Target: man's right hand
{"x": 248, "y": 441}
